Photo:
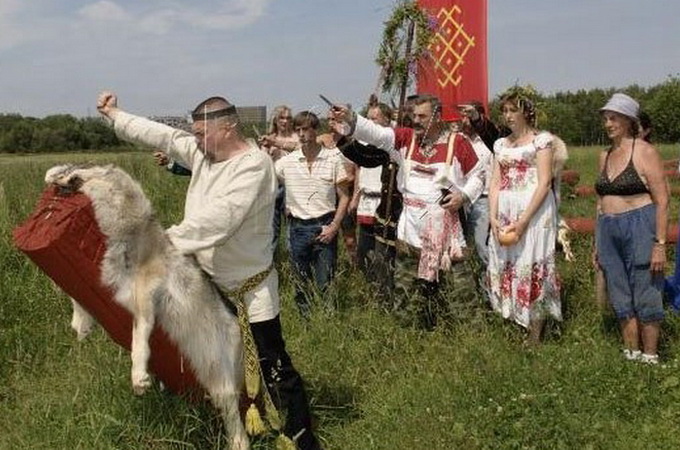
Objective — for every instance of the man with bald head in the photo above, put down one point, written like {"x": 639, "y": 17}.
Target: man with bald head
{"x": 227, "y": 227}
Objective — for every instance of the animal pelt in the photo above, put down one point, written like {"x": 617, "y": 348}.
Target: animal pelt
{"x": 155, "y": 282}
{"x": 560, "y": 155}
{"x": 563, "y": 239}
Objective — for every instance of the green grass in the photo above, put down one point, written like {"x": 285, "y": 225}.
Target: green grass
{"x": 372, "y": 383}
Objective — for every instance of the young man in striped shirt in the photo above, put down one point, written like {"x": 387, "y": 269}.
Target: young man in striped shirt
{"x": 315, "y": 181}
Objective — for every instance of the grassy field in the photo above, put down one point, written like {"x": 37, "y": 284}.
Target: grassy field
{"x": 372, "y": 383}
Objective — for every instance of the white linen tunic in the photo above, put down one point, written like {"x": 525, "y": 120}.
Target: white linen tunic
{"x": 228, "y": 212}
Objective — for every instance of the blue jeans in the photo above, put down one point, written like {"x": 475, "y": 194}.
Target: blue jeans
{"x": 312, "y": 260}
{"x": 279, "y": 209}
{"x": 478, "y": 227}
{"x": 365, "y": 245}
{"x": 624, "y": 249}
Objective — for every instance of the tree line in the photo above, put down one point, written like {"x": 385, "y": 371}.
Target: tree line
{"x": 55, "y": 133}
{"x": 574, "y": 116}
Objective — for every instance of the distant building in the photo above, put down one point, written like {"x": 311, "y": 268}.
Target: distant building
{"x": 252, "y": 114}
{"x": 246, "y": 115}
{"x": 174, "y": 121}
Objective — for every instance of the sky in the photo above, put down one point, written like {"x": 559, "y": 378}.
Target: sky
{"x": 162, "y": 57}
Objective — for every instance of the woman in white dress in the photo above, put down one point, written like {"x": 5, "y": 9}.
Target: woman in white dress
{"x": 523, "y": 281}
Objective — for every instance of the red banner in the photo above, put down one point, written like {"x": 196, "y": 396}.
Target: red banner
{"x": 456, "y": 70}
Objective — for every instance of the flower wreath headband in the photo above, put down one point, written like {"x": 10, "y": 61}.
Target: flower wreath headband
{"x": 524, "y": 97}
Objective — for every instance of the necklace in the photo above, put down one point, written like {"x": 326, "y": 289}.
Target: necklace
{"x": 427, "y": 150}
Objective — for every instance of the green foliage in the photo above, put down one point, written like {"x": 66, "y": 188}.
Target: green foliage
{"x": 398, "y": 67}
{"x": 575, "y": 116}
{"x": 372, "y": 384}
{"x": 56, "y": 133}
{"x": 663, "y": 106}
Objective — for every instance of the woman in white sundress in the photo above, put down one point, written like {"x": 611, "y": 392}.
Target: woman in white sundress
{"x": 523, "y": 281}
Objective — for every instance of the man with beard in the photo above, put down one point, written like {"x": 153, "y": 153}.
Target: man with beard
{"x": 438, "y": 174}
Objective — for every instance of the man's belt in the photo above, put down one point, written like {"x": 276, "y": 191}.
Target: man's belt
{"x": 322, "y": 220}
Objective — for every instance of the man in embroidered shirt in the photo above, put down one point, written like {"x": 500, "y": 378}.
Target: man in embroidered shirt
{"x": 227, "y": 227}
{"x": 315, "y": 179}
{"x": 438, "y": 174}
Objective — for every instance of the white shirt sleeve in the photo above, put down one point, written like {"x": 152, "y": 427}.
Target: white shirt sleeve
{"x": 371, "y": 133}
{"x": 382, "y": 137}
{"x": 474, "y": 182}
{"x": 178, "y": 144}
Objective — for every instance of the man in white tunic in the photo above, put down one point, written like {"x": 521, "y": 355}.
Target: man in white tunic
{"x": 227, "y": 227}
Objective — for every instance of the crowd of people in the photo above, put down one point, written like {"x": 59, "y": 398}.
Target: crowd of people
{"x": 446, "y": 206}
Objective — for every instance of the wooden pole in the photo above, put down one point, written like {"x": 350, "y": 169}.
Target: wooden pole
{"x": 404, "y": 80}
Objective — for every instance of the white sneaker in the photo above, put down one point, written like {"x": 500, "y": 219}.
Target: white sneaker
{"x": 649, "y": 359}
{"x": 632, "y": 355}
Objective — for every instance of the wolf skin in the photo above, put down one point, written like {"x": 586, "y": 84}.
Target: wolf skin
{"x": 155, "y": 282}
{"x": 560, "y": 156}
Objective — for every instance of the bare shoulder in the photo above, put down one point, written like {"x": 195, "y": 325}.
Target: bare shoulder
{"x": 646, "y": 150}
{"x": 647, "y": 159}
{"x": 603, "y": 156}
{"x": 646, "y": 156}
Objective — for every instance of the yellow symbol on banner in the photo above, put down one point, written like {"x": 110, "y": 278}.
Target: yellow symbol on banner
{"x": 451, "y": 44}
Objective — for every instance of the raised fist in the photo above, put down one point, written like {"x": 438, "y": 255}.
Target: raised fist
{"x": 107, "y": 102}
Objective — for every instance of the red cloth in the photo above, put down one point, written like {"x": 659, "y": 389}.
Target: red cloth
{"x": 62, "y": 237}
{"x": 462, "y": 149}
{"x": 456, "y": 72}
{"x": 365, "y": 220}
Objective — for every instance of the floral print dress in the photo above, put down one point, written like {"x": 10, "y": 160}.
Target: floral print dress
{"x": 523, "y": 281}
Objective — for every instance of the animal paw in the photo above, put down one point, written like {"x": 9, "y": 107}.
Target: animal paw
{"x": 240, "y": 442}
{"x": 141, "y": 383}
{"x": 81, "y": 322}
{"x": 82, "y": 331}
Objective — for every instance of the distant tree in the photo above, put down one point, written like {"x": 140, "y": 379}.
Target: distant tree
{"x": 575, "y": 116}
{"x": 663, "y": 106}
{"x": 19, "y": 138}
{"x": 97, "y": 135}
{"x": 55, "y": 133}
{"x": 563, "y": 119}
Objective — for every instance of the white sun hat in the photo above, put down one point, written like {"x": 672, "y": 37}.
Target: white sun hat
{"x": 623, "y": 104}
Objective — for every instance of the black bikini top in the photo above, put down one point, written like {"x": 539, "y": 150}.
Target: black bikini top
{"x": 627, "y": 182}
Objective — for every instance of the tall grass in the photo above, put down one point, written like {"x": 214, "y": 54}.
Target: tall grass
{"x": 372, "y": 383}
